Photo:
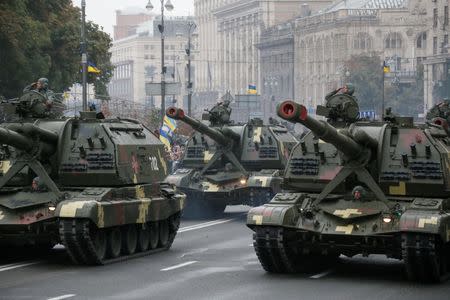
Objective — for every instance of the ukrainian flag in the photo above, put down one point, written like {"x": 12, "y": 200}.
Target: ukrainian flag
{"x": 167, "y": 131}
{"x": 171, "y": 123}
{"x": 93, "y": 69}
{"x": 252, "y": 89}
{"x": 386, "y": 68}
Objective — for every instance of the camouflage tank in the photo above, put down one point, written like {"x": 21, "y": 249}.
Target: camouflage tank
{"x": 366, "y": 188}
{"x": 227, "y": 164}
{"x": 90, "y": 184}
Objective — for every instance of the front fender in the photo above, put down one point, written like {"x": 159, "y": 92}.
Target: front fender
{"x": 431, "y": 222}
{"x": 283, "y": 210}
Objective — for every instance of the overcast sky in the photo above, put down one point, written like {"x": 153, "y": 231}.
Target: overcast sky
{"x": 103, "y": 12}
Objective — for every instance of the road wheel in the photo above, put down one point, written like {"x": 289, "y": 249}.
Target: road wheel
{"x": 154, "y": 234}
{"x": 143, "y": 238}
{"x": 114, "y": 242}
{"x": 99, "y": 241}
{"x": 163, "y": 233}
{"x": 129, "y": 241}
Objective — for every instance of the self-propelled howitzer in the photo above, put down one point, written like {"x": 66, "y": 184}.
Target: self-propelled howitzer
{"x": 222, "y": 136}
{"x": 91, "y": 184}
{"x": 366, "y": 188}
{"x": 228, "y": 164}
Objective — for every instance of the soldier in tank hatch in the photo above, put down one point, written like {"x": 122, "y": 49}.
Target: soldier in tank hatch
{"x": 347, "y": 89}
{"x": 41, "y": 86}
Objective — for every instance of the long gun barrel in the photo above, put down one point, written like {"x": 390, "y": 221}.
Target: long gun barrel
{"x": 298, "y": 113}
{"x": 20, "y": 136}
{"x": 216, "y": 135}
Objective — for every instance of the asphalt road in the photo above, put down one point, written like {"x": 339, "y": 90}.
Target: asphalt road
{"x": 210, "y": 259}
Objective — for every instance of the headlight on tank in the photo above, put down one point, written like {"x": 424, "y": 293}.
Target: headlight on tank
{"x": 387, "y": 219}
{"x": 52, "y": 208}
{"x": 243, "y": 181}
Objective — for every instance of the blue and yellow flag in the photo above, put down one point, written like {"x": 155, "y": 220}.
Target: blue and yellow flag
{"x": 167, "y": 132}
{"x": 386, "y": 68}
{"x": 252, "y": 89}
{"x": 93, "y": 69}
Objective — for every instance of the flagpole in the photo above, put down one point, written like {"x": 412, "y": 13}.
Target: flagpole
{"x": 382, "y": 90}
{"x": 84, "y": 59}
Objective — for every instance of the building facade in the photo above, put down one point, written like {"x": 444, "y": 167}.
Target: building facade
{"x": 128, "y": 20}
{"x": 137, "y": 61}
{"x": 324, "y": 42}
{"x": 276, "y": 51}
{"x": 437, "y": 63}
{"x": 229, "y": 32}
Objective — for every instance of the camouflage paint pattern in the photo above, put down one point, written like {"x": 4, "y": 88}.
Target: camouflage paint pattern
{"x": 403, "y": 167}
{"x": 107, "y": 171}
{"x": 258, "y": 155}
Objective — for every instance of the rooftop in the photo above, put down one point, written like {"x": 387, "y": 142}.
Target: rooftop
{"x": 367, "y": 4}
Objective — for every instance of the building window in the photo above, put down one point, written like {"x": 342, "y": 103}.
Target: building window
{"x": 393, "y": 41}
{"x": 435, "y": 44}
{"x": 172, "y": 47}
{"x": 435, "y": 17}
{"x": 146, "y": 56}
{"x": 445, "y": 15}
{"x": 445, "y": 44}
{"x": 422, "y": 41}
{"x": 362, "y": 41}
{"x": 146, "y": 47}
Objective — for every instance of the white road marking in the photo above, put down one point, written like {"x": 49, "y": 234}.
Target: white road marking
{"x": 204, "y": 225}
{"x": 18, "y": 265}
{"x": 196, "y": 251}
{"x": 62, "y": 297}
{"x": 179, "y": 266}
{"x": 323, "y": 274}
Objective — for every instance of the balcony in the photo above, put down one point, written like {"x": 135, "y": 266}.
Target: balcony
{"x": 401, "y": 77}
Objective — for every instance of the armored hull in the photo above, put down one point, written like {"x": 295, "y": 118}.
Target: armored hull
{"x": 92, "y": 185}
{"x": 230, "y": 164}
{"x": 368, "y": 188}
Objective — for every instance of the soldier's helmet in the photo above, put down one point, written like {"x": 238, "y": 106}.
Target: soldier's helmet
{"x": 350, "y": 89}
{"x": 44, "y": 82}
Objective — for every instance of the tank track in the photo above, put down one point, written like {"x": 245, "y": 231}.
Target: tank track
{"x": 75, "y": 234}
{"x": 279, "y": 250}
{"x": 426, "y": 258}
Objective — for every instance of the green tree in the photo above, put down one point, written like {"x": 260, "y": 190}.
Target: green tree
{"x": 406, "y": 98}
{"x": 153, "y": 119}
{"x": 40, "y": 38}
{"x": 366, "y": 74}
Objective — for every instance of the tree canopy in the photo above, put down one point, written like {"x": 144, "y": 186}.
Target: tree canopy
{"x": 41, "y": 38}
{"x": 366, "y": 73}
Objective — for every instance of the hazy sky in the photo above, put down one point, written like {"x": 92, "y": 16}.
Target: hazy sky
{"x": 103, "y": 12}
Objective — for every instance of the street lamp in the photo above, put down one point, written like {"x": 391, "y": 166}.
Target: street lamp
{"x": 84, "y": 55}
{"x": 191, "y": 27}
{"x": 169, "y": 7}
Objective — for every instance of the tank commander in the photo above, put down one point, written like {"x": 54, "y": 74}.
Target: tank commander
{"x": 41, "y": 86}
{"x": 341, "y": 106}
{"x": 220, "y": 113}
{"x": 347, "y": 89}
